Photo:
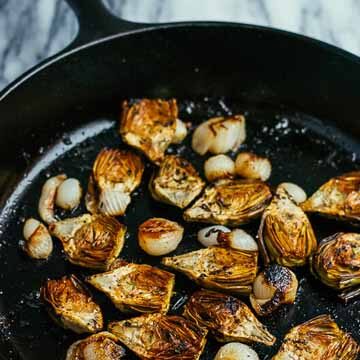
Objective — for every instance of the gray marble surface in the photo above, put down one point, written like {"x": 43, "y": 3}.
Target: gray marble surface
{"x": 32, "y": 30}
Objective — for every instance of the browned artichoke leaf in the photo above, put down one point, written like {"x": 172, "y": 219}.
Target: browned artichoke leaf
{"x": 226, "y": 317}
{"x": 115, "y": 174}
{"x": 101, "y": 346}
{"x": 92, "y": 241}
{"x": 285, "y": 233}
{"x": 218, "y": 268}
{"x": 176, "y": 182}
{"x": 136, "y": 287}
{"x": 339, "y": 198}
{"x": 337, "y": 261}
{"x": 319, "y": 338}
{"x": 70, "y": 304}
{"x": 149, "y": 125}
{"x": 230, "y": 202}
{"x": 161, "y": 337}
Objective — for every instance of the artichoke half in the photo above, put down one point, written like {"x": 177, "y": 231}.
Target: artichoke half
{"x": 136, "y": 287}
{"x": 338, "y": 198}
{"x": 92, "y": 241}
{"x": 230, "y": 202}
{"x": 161, "y": 337}
{"x": 285, "y": 234}
{"x": 71, "y": 305}
{"x": 115, "y": 175}
{"x": 337, "y": 261}
{"x": 150, "y": 126}
{"x": 218, "y": 268}
{"x": 101, "y": 346}
{"x": 226, "y": 317}
{"x": 176, "y": 182}
{"x": 319, "y": 338}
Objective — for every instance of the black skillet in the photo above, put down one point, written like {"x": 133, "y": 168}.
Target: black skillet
{"x": 301, "y": 98}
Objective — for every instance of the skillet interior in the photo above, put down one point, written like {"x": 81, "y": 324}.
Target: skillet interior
{"x": 212, "y": 70}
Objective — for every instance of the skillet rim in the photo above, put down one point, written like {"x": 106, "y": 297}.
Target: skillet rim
{"x": 146, "y": 27}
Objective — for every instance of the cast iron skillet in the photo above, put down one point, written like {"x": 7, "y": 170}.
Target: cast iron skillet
{"x": 301, "y": 98}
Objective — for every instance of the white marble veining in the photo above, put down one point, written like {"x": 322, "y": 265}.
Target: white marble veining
{"x": 31, "y": 30}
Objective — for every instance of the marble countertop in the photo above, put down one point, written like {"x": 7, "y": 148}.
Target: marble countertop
{"x": 32, "y": 30}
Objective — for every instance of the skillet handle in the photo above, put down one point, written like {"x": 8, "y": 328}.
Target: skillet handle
{"x": 96, "y": 22}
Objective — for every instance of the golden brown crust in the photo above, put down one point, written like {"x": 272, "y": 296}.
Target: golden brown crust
{"x": 115, "y": 174}
{"x": 339, "y": 197}
{"x": 101, "y": 346}
{"x": 336, "y": 262}
{"x": 118, "y": 166}
{"x": 155, "y": 228}
{"x": 319, "y": 338}
{"x": 283, "y": 283}
{"x": 159, "y": 236}
{"x": 230, "y": 202}
{"x": 226, "y": 317}
{"x": 285, "y": 233}
{"x": 176, "y": 182}
{"x": 136, "y": 287}
{"x": 94, "y": 242}
{"x": 218, "y": 268}
{"x": 71, "y": 305}
{"x": 149, "y": 125}
{"x": 161, "y": 337}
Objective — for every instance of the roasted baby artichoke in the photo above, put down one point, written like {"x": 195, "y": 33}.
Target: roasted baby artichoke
{"x": 336, "y": 262}
{"x": 136, "y": 287}
{"x": 339, "y": 198}
{"x": 285, "y": 234}
{"x": 115, "y": 174}
{"x": 101, "y": 346}
{"x": 319, "y": 338}
{"x": 161, "y": 337}
{"x": 226, "y": 317}
{"x": 218, "y": 268}
{"x": 71, "y": 305}
{"x": 92, "y": 241}
{"x": 230, "y": 202}
{"x": 150, "y": 126}
{"x": 275, "y": 286}
{"x": 176, "y": 182}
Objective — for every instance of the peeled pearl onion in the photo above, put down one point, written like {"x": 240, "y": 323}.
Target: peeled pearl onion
{"x": 252, "y": 166}
{"x": 240, "y": 239}
{"x": 261, "y": 289}
{"x": 180, "y": 132}
{"x": 295, "y": 191}
{"x": 236, "y": 351}
{"x": 219, "y": 167}
{"x": 208, "y": 236}
{"x": 68, "y": 194}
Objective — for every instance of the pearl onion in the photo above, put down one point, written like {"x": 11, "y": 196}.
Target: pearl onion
{"x": 241, "y": 240}
{"x": 68, "y": 194}
{"x": 295, "y": 191}
{"x": 180, "y": 132}
{"x": 209, "y": 235}
{"x": 236, "y": 351}
{"x": 252, "y": 166}
{"x": 219, "y": 167}
{"x": 38, "y": 243}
